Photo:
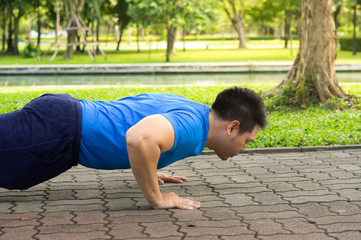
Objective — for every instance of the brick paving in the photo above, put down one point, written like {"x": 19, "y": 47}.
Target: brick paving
{"x": 290, "y": 195}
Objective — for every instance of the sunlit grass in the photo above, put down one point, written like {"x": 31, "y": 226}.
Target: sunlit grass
{"x": 313, "y": 126}
{"x": 206, "y": 51}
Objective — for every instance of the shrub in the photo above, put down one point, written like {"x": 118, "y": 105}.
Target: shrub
{"x": 346, "y": 44}
{"x": 29, "y": 51}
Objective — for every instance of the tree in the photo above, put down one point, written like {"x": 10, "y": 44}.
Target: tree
{"x": 234, "y": 10}
{"x": 313, "y": 76}
{"x": 142, "y": 13}
{"x": 121, "y": 11}
{"x": 173, "y": 12}
{"x": 282, "y": 11}
{"x": 72, "y": 7}
{"x": 39, "y": 8}
{"x": 3, "y": 22}
{"x": 355, "y": 4}
{"x": 94, "y": 10}
{"x": 336, "y": 13}
{"x": 16, "y": 10}
{"x": 198, "y": 15}
{"x": 167, "y": 12}
{"x": 290, "y": 8}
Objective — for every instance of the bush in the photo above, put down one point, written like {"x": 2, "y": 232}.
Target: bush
{"x": 29, "y": 51}
{"x": 346, "y": 44}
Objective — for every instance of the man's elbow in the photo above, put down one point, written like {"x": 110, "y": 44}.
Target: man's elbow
{"x": 134, "y": 139}
{"x": 140, "y": 144}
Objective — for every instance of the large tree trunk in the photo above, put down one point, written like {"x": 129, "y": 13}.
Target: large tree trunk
{"x": 313, "y": 75}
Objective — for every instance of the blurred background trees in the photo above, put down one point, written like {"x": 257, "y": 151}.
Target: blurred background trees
{"x": 172, "y": 21}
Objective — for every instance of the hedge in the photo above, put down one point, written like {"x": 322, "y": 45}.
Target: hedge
{"x": 346, "y": 44}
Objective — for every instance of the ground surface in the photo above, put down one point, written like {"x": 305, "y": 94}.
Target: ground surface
{"x": 295, "y": 195}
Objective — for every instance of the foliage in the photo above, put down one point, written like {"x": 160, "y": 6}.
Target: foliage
{"x": 346, "y": 44}
{"x": 313, "y": 126}
{"x": 29, "y": 51}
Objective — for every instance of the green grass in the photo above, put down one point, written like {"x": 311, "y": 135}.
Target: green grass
{"x": 315, "y": 126}
{"x": 190, "y": 55}
{"x": 158, "y": 56}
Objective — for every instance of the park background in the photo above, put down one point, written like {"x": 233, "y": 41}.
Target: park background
{"x": 181, "y": 31}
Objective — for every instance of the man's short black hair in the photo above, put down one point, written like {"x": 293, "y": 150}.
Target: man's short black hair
{"x": 241, "y": 104}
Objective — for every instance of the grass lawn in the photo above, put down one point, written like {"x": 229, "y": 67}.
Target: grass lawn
{"x": 314, "y": 126}
{"x": 258, "y": 51}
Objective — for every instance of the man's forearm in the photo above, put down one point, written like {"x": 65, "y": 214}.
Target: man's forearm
{"x": 143, "y": 157}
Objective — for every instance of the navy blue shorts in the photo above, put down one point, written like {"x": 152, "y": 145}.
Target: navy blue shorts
{"x": 39, "y": 141}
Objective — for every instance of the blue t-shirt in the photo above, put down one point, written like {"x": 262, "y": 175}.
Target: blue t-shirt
{"x": 105, "y": 124}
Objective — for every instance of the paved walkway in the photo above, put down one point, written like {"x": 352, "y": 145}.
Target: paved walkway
{"x": 292, "y": 195}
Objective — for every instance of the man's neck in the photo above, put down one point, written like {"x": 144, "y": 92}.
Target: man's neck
{"x": 214, "y": 123}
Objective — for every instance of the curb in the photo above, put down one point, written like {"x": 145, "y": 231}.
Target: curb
{"x": 146, "y": 68}
{"x": 293, "y": 149}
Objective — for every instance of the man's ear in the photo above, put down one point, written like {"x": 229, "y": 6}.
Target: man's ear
{"x": 233, "y": 127}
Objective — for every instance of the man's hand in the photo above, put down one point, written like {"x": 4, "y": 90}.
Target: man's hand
{"x": 171, "y": 200}
{"x": 162, "y": 178}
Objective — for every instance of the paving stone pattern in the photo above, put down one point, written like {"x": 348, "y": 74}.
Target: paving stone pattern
{"x": 299, "y": 195}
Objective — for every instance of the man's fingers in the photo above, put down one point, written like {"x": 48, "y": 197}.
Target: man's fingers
{"x": 171, "y": 200}
{"x": 170, "y": 179}
{"x": 188, "y": 204}
{"x": 176, "y": 179}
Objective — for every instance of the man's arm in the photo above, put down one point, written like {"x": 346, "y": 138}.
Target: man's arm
{"x": 145, "y": 142}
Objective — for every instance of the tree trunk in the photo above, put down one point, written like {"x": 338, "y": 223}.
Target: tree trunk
{"x": 77, "y": 47}
{"x": 313, "y": 75}
{"x": 70, "y": 48}
{"x": 39, "y": 27}
{"x": 354, "y": 41}
{"x": 10, "y": 29}
{"x": 108, "y": 31}
{"x": 171, "y": 36}
{"x": 72, "y": 7}
{"x": 287, "y": 27}
{"x": 138, "y": 36}
{"x": 4, "y": 29}
{"x": 16, "y": 33}
{"x": 97, "y": 35}
{"x": 335, "y": 15}
{"x": 84, "y": 45}
{"x": 183, "y": 38}
{"x": 120, "y": 35}
{"x": 237, "y": 22}
{"x": 238, "y": 25}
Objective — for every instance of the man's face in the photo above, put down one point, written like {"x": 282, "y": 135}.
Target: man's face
{"x": 232, "y": 143}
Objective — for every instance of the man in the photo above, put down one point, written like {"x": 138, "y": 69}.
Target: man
{"x": 146, "y": 132}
